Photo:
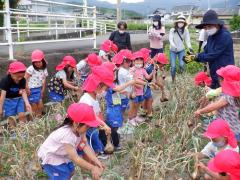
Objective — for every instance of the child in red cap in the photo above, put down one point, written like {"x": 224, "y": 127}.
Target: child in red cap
{"x": 226, "y": 165}
{"x": 36, "y": 81}
{"x": 84, "y": 68}
{"x": 61, "y": 80}
{"x": 13, "y": 98}
{"x": 107, "y": 50}
{"x": 123, "y": 61}
{"x": 138, "y": 72}
{"x": 228, "y": 104}
{"x": 161, "y": 60}
{"x": 59, "y": 152}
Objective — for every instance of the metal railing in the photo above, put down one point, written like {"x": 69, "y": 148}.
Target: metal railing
{"x": 18, "y": 28}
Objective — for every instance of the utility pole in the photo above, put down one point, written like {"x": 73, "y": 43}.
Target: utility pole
{"x": 209, "y": 5}
{"x": 118, "y": 10}
{"x": 85, "y": 8}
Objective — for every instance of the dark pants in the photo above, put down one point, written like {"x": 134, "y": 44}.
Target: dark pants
{"x": 114, "y": 134}
{"x": 215, "y": 84}
{"x": 154, "y": 52}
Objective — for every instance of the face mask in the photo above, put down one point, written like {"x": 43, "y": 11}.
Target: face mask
{"x": 212, "y": 31}
{"x": 155, "y": 23}
{"x": 138, "y": 65}
{"x": 219, "y": 144}
{"x": 121, "y": 31}
{"x": 180, "y": 25}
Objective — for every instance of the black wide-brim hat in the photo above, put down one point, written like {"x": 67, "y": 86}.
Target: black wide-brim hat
{"x": 210, "y": 17}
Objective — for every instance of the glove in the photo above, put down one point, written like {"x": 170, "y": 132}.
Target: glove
{"x": 189, "y": 58}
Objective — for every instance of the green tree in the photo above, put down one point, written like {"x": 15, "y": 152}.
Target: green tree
{"x": 13, "y": 4}
{"x": 235, "y": 22}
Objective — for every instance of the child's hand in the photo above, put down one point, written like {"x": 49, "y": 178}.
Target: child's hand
{"x": 107, "y": 130}
{"x": 100, "y": 165}
{"x": 197, "y": 113}
{"x": 1, "y": 112}
{"x": 201, "y": 166}
{"x": 96, "y": 172}
{"x": 28, "y": 91}
{"x": 29, "y": 108}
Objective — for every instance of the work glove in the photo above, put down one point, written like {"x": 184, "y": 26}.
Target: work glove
{"x": 189, "y": 58}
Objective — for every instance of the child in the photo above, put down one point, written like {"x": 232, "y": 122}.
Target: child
{"x": 227, "y": 106}
{"x": 13, "y": 93}
{"x": 36, "y": 81}
{"x": 84, "y": 67}
{"x": 123, "y": 59}
{"x": 107, "y": 50}
{"x": 161, "y": 60}
{"x": 59, "y": 151}
{"x": 138, "y": 72}
{"x": 96, "y": 84}
{"x": 148, "y": 100}
{"x": 114, "y": 116}
{"x": 225, "y": 166}
{"x": 60, "y": 81}
{"x": 221, "y": 137}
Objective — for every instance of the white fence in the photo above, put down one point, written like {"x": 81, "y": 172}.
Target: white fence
{"x": 55, "y": 24}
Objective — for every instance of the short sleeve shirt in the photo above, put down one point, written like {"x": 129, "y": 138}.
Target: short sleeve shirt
{"x": 61, "y": 75}
{"x": 12, "y": 89}
{"x": 139, "y": 73}
{"x": 37, "y": 77}
{"x": 230, "y": 113}
{"x": 52, "y": 151}
{"x": 123, "y": 77}
{"x": 211, "y": 151}
{"x": 89, "y": 100}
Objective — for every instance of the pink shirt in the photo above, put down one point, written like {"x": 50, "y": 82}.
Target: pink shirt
{"x": 139, "y": 73}
{"x": 156, "y": 40}
{"x": 52, "y": 151}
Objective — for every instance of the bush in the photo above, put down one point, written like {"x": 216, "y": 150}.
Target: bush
{"x": 137, "y": 26}
{"x": 235, "y": 23}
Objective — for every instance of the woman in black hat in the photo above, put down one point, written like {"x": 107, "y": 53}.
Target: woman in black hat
{"x": 219, "y": 49}
{"x": 120, "y": 37}
{"x": 155, "y": 35}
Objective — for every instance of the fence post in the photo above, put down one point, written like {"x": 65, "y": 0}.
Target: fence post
{"x": 64, "y": 25}
{"x": 75, "y": 24}
{"x": 56, "y": 25}
{"x": 28, "y": 34}
{"x": 49, "y": 25}
{"x": 18, "y": 32}
{"x": 9, "y": 30}
{"x": 105, "y": 28}
{"x": 94, "y": 28}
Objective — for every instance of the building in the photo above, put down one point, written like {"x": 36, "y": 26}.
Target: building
{"x": 223, "y": 14}
{"x": 185, "y": 10}
{"x": 33, "y": 6}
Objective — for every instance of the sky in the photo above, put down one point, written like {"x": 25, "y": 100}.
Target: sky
{"x": 125, "y": 1}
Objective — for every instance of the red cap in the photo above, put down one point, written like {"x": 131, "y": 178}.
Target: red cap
{"x": 37, "y": 55}
{"x": 123, "y": 54}
{"x": 108, "y": 46}
{"x": 99, "y": 74}
{"x": 202, "y": 77}
{"x": 67, "y": 60}
{"x": 82, "y": 113}
{"x": 220, "y": 128}
{"x": 137, "y": 55}
{"x": 16, "y": 67}
{"x": 109, "y": 65}
{"x": 146, "y": 53}
{"x": 227, "y": 161}
{"x": 161, "y": 58}
{"x": 126, "y": 53}
{"x": 93, "y": 60}
{"x": 231, "y": 80}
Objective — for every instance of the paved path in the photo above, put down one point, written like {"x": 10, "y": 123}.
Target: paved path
{"x": 67, "y": 46}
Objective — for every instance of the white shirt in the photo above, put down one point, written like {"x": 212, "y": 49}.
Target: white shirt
{"x": 203, "y": 37}
{"x": 52, "y": 151}
{"x": 211, "y": 151}
{"x": 61, "y": 75}
{"x": 89, "y": 100}
{"x": 37, "y": 77}
{"x": 124, "y": 76}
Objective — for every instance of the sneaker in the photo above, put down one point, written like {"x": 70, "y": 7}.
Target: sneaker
{"x": 102, "y": 156}
{"x": 139, "y": 119}
{"x": 126, "y": 129}
{"x": 133, "y": 122}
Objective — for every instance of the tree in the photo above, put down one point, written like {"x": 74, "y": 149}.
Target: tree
{"x": 13, "y": 4}
{"x": 235, "y": 22}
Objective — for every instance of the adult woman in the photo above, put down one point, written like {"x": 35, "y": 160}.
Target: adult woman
{"x": 177, "y": 37}
{"x": 120, "y": 37}
{"x": 155, "y": 35}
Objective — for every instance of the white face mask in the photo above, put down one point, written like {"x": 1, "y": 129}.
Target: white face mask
{"x": 121, "y": 31}
{"x": 138, "y": 65}
{"x": 212, "y": 31}
{"x": 180, "y": 25}
{"x": 155, "y": 23}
